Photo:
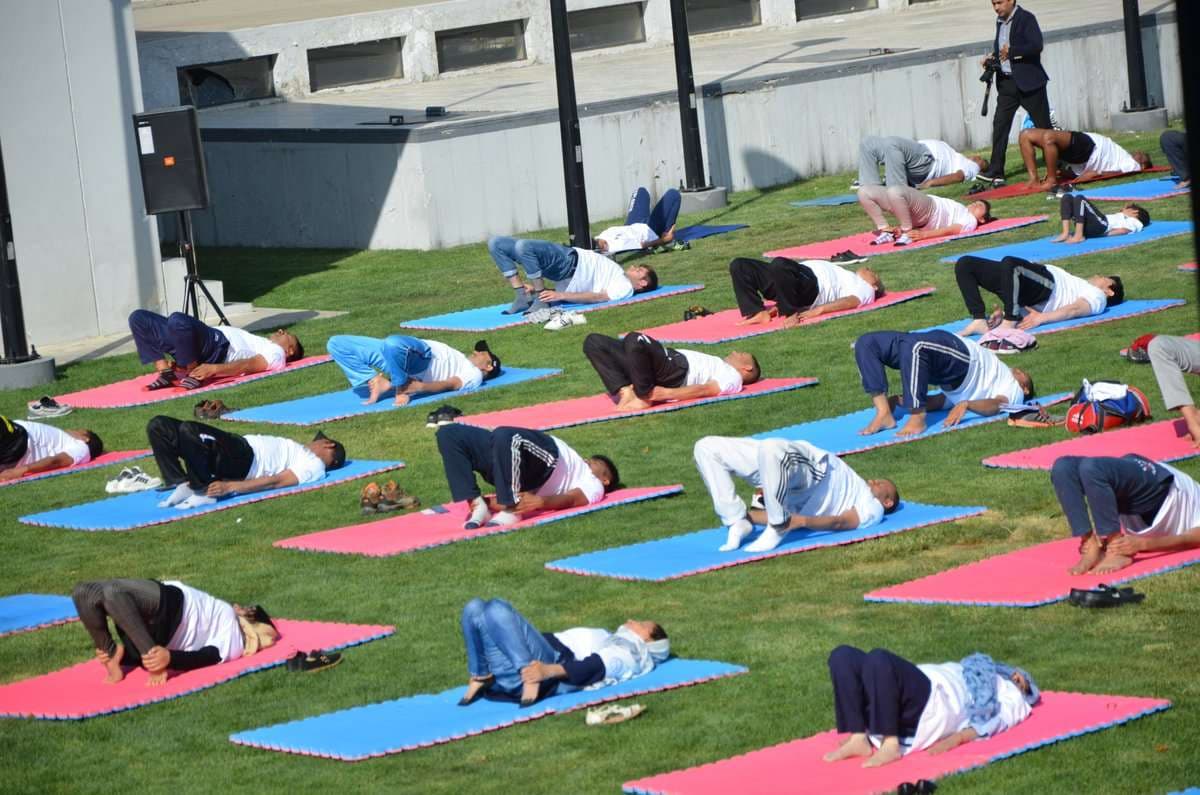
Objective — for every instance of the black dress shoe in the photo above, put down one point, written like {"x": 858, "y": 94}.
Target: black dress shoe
{"x": 1104, "y": 596}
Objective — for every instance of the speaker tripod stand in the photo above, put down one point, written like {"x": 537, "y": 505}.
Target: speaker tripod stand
{"x": 192, "y": 283}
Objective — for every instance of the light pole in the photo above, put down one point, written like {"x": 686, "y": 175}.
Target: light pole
{"x": 568, "y": 125}
{"x": 1135, "y": 61}
{"x": 689, "y": 119}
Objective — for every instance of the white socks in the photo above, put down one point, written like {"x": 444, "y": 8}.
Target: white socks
{"x": 479, "y": 514}
{"x": 737, "y": 531}
{"x": 767, "y": 540}
{"x": 505, "y": 518}
{"x": 181, "y": 493}
{"x": 195, "y": 501}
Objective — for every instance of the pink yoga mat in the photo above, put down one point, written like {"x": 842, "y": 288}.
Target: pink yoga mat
{"x": 723, "y": 326}
{"x": 79, "y": 691}
{"x": 133, "y": 392}
{"x": 796, "y": 768}
{"x": 1022, "y": 188}
{"x": 115, "y": 457}
{"x": 598, "y": 408}
{"x": 861, "y": 243}
{"x": 1028, "y": 577}
{"x": 442, "y": 525}
{"x": 1190, "y": 267}
{"x": 1158, "y": 441}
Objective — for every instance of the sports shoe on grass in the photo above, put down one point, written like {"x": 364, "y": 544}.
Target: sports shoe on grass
{"x": 613, "y": 713}
{"x": 542, "y": 314}
{"x": 47, "y": 407}
{"x": 847, "y": 257}
{"x": 132, "y": 479}
{"x": 442, "y": 415}
{"x": 313, "y": 661}
{"x": 561, "y": 320}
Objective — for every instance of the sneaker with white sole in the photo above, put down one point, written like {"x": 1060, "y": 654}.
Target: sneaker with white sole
{"x": 562, "y": 320}
{"x": 542, "y": 314}
{"x": 847, "y": 257}
{"x": 47, "y": 407}
{"x": 613, "y": 713}
{"x": 903, "y": 240}
{"x": 137, "y": 480}
{"x": 883, "y": 239}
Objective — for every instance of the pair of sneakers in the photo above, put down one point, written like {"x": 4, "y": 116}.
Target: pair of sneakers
{"x": 312, "y": 661}
{"x": 131, "y": 479}
{"x": 847, "y": 257}
{"x": 47, "y": 407}
{"x": 885, "y": 237}
{"x": 442, "y": 415}
{"x": 560, "y": 319}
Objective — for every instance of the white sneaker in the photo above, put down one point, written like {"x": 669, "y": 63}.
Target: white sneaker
{"x": 113, "y": 485}
{"x": 561, "y": 320}
{"x": 138, "y": 482}
{"x": 903, "y": 240}
{"x": 613, "y": 713}
{"x": 882, "y": 239}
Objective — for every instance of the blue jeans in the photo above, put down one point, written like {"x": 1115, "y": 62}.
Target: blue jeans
{"x": 500, "y": 641}
{"x": 541, "y": 259}
{"x": 183, "y": 337}
{"x": 661, "y": 218}
{"x": 401, "y": 358}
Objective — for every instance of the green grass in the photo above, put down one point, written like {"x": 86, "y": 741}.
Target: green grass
{"x": 779, "y": 617}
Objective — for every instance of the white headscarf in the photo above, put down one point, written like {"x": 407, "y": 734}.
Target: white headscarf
{"x": 626, "y": 655}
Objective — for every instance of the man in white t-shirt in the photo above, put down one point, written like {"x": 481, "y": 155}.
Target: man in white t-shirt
{"x": 639, "y": 371}
{"x": 204, "y": 463}
{"x": 644, "y": 228}
{"x": 800, "y": 290}
{"x": 27, "y": 448}
{"x": 803, "y": 487}
{"x": 532, "y": 471}
{"x": 919, "y": 216}
{"x": 927, "y": 163}
{"x": 198, "y": 353}
{"x": 971, "y": 378}
{"x": 1077, "y": 209}
{"x": 410, "y": 366}
{"x": 580, "y": 276}
{"x": 1084, "y": 155}
{"x": 1033, "y": 294}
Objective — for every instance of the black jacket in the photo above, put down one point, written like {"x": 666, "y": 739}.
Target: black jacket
{"x": 1024, "y": 50}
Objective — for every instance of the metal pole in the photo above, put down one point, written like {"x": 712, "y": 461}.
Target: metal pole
{"x": 689, "y": 120}
{"x": 1135, "y": 62}
{"x": 12, "y": 316}
{"x": 1187, "y": 17}
{"x": 568, "y": 124}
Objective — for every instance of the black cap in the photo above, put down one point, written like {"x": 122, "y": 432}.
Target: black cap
{"x": 495, "y": 371}
{"x": 339, "y": 452}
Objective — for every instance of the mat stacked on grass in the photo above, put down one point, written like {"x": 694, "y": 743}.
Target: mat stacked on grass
{"x": 696, "y": 553}
{"x": 490, "y": 318}
{"x": 723, "y": 326}
{"x": 1123, "y": 310}
{"x": 133, "y": 392}
{"x": 349, "y": 402}
{"x": 690, "y": 233}
{"x": 839, "y": 435}
{"x": 406, "y": 724}
{"x": 28, "y": 611}
{"x": 1028, "y": 577}
{"x": 78, "y": 692}
{"x": 1159, "y": 441}
{"x": 828, "y": 201}
{"x": 1023, "y": 188}
{"x": 1188, "y": 267}
{"x": 105, "y": 459}
{"x": 861, "y": 243}
{"x": 798, "y": 769}
{"x": 1145, "y": 190}
{"x": 599, "y": 408}
{"x": 444, "y": 525}
{"x": 1045, "y": 250}
{"x": 129, "y": 511}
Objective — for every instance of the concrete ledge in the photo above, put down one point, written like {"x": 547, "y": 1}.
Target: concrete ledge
{"x": 695, "y": 201}
{"x": 1140, "y": 120}
{"x": 26, "y": 374}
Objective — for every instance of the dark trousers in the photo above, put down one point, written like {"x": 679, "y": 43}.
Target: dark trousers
{"x": 1130, "y": 485}
{"x": 145, "y": 612}
{"x": 14, "y": 442}
{"x": 923, "y": 358}
{"x": 661, "y": 218}
{"x": 184, "y": 338}
{"x": 877, "y": 692}
{"x": 1014, "y": 281}
{"x": 1008, "y": 98}
{"x": 197, "y": 453}
{"x": 511, "y": 459}
{"x": 792, "y": 286}
{"x": 1174, "y": 146}
{"x": 1074, "y": 207}
{"x": 636, "y": 360}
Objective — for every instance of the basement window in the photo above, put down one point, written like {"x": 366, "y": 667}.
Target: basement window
{"x": 352, "y": 64}
{"x": 706, "y": 16}
{"x": 807, "y": 9}
{"x": 222, "y": 82}
{"x": 481, "y": 45}
{"x": 609, "y": 26}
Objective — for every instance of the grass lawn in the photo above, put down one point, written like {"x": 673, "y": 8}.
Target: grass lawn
{"x": 780, "y": 617}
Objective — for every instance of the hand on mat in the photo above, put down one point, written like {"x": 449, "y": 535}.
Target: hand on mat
{"x": 1126, "y": 545}
{"x": 953, "y": 741}
{"x": 12, "y": 473}
{"x": 200, "y": 372}
{"x": 156, "y": 660}
{"x": 792, "y": 321}
{"x": 550, "y": 295}
{"x": 1032, "y": 319}
{"x": 955, "y": 415}
{"x": 761, "y": 318}
{"x": 528, "y": 502}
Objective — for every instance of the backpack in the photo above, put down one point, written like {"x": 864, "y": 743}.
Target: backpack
{"x": 1105, "y": 405}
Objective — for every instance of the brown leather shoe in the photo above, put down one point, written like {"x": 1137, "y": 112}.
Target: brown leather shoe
{"x": 368, "y": 499}
{"x": 394, "y": 498}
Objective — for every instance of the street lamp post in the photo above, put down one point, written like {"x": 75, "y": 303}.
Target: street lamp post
{"x": 568, "y": 124}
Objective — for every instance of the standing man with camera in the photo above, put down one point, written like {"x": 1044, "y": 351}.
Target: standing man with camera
{"x": 1016, "y": 63}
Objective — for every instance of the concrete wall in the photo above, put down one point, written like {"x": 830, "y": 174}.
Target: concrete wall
{"x": 86, "y": 253}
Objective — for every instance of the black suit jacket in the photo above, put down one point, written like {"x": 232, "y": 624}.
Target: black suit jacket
{"x": 1024, "y": 50}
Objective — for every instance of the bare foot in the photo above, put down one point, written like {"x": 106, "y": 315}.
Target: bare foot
{"x": 760, "y": 319}
{"x": 378, "y": 386}
{"x": 475, "y": 687}
{"x": 890, "y": 751}
{"x": 913, "y": 426}
{"x": 1090, "y": 553}
{"x": 156, "y": 680}
{"x": 1047, "y": 184}
{"x": 1059, "y": 239}
{"x": 882, "y": 422}
{"x": 1033, "y": 182}
{"x": 1073, "y": 240}
{"x": 1112, "y": 562}
{"x": 112, "y": 665}
{"x": 856, "y": 745}
{"x": 633, "y": 404}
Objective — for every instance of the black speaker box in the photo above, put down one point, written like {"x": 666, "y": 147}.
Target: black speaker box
{"x": 172, "y": 162}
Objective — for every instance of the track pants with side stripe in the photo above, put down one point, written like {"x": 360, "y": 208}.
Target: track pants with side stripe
{"x": 924, "y": 358}
{"x": 511, "y": 459}
{"x": 1015, "y": 281}
{"x": 785, "y": 470}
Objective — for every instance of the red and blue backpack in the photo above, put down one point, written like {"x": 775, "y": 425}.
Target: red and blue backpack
{"x": 1095, "y": 416}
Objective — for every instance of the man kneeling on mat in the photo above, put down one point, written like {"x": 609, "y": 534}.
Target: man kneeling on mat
{"x": 802, "y": 487}
{"x": 532, "y": 471}
{"x": 1077, "y": 155}
{"x": 199, "y": 353}
{"x": 800, "y": 290}
{"x": 971, "y": 378}
{"x": 644, "y": 228}
{"x": 1089, "y": 222}
{"x": 919, "y": 216}
{"x": 27, "y": 448}
{"x": 1033, "y": 294}
{"x": 167, "y": 626}
{"x": 203, "y": 463}
{"x": 1136, "y": 505}
{"x": 885, "y": 702}
{"x": 638, "y": 371}
{"x": 410, "y": 366}
{"x": 508, "y": 658}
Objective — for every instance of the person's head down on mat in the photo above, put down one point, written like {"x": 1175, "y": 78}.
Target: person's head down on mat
{"x": 919, "y": 216}
{"x": 509, "y": 659}
{"x": 408, "y": 366}
{"x": 1081, "y": 219}
{"x": 27, "y": 448}
{"x": 801, "y": 290}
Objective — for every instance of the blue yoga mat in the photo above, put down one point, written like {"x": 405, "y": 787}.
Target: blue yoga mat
{"x": 26, "y": 611}
{"x": 1045, "y": 251}
{"x": 839, "y": 435}
{"x": 699, "y": 552}
{"x": 348, "y": 403}
{"x": 419, "y": 721}
{"x": 1118, "y": 312}
{"x": 1142, "y": 190}
{"x": 828, "y": 201}
{"x": 690, "y": 233}
{"x": 490, "y": 318}
{"x": 127, "y": 511}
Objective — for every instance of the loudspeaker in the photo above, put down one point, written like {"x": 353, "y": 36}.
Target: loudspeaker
{"x": 172, "y": 162}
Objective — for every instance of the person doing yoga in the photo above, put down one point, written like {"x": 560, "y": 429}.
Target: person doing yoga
{"x": 166, "y": 626}
{"x": 1077, "y": 210}
{"x": 200, "y": 353}
{"x": 644, "y": 228}
{"x": 803, "y": 487}
{"x": 891, "y": 707}
{"x": 410, "y": 366}
{"x": 1121, "y": 507}
{"x": 919, "y": 216}
{"x": 1171, "y": 357}
{"x": 971, "y": 378}
{"x": 1033, "y": 294}
{"x": 27, "y": 448}
{"x": 508, "y": 659}
{"x": 532, "y": 471}
{"x": 928, "y": 163}
{"x": 800, "y": 290}
{"x": 638, "y": 371}
{"x": 1073, "y": 155}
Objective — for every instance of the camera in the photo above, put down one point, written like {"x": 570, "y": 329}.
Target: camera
{"x": 990, "y": 68}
